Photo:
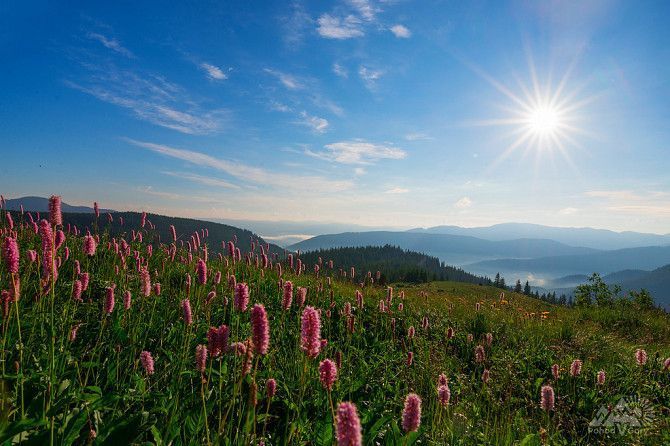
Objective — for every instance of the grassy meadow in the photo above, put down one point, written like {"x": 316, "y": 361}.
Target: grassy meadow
{"x": 74, "y": 371}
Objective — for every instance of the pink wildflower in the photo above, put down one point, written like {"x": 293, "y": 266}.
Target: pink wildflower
{"x": 55, "y": 214}
{"x": 327, "y": 373}
{"x": 443, "y": 394}
{"x": 10, "y": 253}
{"x": 288, "y": 295}
{"x": 186, "y": 310}
{"x": 310, "y": 340}
{"x": 575, "y": 368}
{"x": 411, "y": 414}
{"x": 640, "y": 357}
{"x": 260, "y": 329}
{"x": 241, "y": 296}
{"x": 147, "y": 362}
{"x": 348, "y": 425}
{"x": 201, "y": 358}
{"x": 547, "y": 398}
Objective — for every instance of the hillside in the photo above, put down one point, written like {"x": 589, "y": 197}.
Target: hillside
{"x": 588, "y": 237}
{"x": 452, "y": 249}
{"x": 184, "y": 227}
{"x": 394, "y": 264}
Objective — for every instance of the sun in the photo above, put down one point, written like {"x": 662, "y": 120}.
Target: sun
{"x": 543, "y": 120}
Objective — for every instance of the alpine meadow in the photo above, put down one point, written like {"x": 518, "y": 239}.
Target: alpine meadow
{"x": 342, "y": 223}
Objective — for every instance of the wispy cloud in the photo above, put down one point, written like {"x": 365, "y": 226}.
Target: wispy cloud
{"x": 364, "y": 9}
{"x": 280, "y": 107}
{"x": 295, "y": 24}
{"x": 401, "y": 31}
{"x": 652, "y": 203}
{"x": 397, "y": 190}
{"x": 357, "y": 152}
{"x": 340, "y": 70}
{"x": 319, "y": 125}
{"x": 369, "y": 76}
{"x": 418, "y": 136}
{"x": 360, "y": 171}
{"x": 245, "y": 172}
{"x": 149, "y": 96}
{"x": 332, "y": 27}
{"x": 112, "y": 44}
{"x": 463, "y": 203}
{"x": 287, "y": 80}
{"x": 207, "y": 181}
{"x": 568, "y": 211}
{"x": 213, "y": 72}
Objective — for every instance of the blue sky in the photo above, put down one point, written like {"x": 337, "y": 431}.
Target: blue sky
{"x": 376, "y": 113}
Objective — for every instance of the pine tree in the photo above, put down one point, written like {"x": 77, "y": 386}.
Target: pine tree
{"x": 517, "y": 287}
{"x": 526, "y": 289}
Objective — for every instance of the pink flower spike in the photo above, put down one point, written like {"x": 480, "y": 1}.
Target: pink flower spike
{"x": 348, "y": 426}
{"x": 411, "y": 414}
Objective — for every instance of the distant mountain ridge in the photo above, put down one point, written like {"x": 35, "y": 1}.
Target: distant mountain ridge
{"x": 603, "y": 262}
{"x": 41, "y": 204}
{"x": 452, "y": 249}
{"x": 587, "y": 237}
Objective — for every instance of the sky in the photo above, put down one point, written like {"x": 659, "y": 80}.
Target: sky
{"x": 357, "y": 112}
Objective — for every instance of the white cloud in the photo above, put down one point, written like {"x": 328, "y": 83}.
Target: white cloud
{"x": 213, "y": 72}
{"x": 319, "y": 125}
{"x": 357, "y": 152}
{"x": 289, "y": 81}
{"x": 340, "y": 70}
{"x": 397, "y": 190}
{"x": 401, "y": 31}
{"x": 111, "y": 44}
{"x": 248, "y": 173}
{"x": 360, "y": 171}
{"x": 332, "y": 27}
{"x": 295, "y": 25}
{"x": 463, "y": 203}
{"x": 370, "y": 76}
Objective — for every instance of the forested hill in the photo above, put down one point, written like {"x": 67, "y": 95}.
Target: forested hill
{"x": 395, "y": 264}
{"x": 184, "y": 227}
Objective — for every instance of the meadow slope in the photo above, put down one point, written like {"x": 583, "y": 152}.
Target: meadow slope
{"x": 159, "y": 348}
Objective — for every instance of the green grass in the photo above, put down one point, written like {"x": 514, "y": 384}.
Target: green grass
{"x": 96, "y": 383}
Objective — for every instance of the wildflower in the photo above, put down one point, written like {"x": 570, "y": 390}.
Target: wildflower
{"x": 575, "y": 368}
{"x": 10, "y": 253}
{"x": 443, "y": 394}
{"x": 327, "y": 373}
{"x": 202, "y": 272}
{"x": 96, "y": 209}
{"x": 145, "y": 280}
{"x": 450, "y": 333}
{"x": 410, "y": 332}
{"x": 480, "y": 356}
{"x": 173, "y": 231}
{"x": 348, "y": 425}
{"x": 271, "y": 387}
{"x": 547, "y": 398}
{"x": 260, "y": 329}
{"x": 201, "y": 358}
{"x": 470, "y": 337}
{"x": 486, "y": 376}
{"x": 89, "y": 245}
{"x": 640, "y": 357}
{"x": 666, "y": 364}
{"x": 601, "y": 377}
{"x": 77, "y": 288}
{"x": 489, "y": 339}
{"x": 239, "y": 348}
{"x": 442, "y": 380}
{"x": 55, "y": 214}
{"x": 241, "y": 296}
{"x": 147, "y": 362}
{"x": 46, "y": 236}
{"x": 127, "y": 300}
{"x": 310, "y": 339}
{"x": 555, "y": 371}
{"x": 302, "y": 296}
{"x": 84, "y": 278}
{"x": 108, "y": 306}
{"x": 186, "y": 310}
{"x": 411, "y": 414}
{"x": 73, "y": 332}
{"x": 410, "y": 358}
{"x": 287, "y": 296}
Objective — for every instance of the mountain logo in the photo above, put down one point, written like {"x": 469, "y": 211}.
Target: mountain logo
{"x": 630, "y": 414}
